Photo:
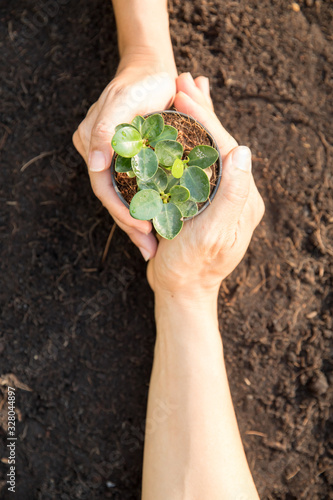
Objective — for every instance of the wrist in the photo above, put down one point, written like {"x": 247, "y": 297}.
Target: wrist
{"x": 188, "y": 301}
{"x": 192, "y": 308}
{"x": 155, "y": 61}
{"x": 187, "y": 326}
{"x": 144, "y": 31}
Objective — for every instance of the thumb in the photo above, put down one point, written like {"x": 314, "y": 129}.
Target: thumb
{"x": 233, "y": 191}
{"x": 100, "y": 151}
{"x": 207, "y": 117}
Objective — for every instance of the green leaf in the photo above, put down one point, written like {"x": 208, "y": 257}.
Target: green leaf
{"x": 168, "y": 222}
{"x": 158, "y": 182}
{"x": 145, "y": 164}
{"x": 179, "y": 194}
{"x": 146, "y": 204}
{"x": 168, "y": 151}
{"x": 123, "y": 164}
{"x": 168, "y": 133}
{"x": 131, "y": 174}
{"x": 152, "y": 127}
{"x": 127, "y": 141}
{"x": 177, "y": 168}
{"x": 188, "y": 208}
{"x": 122, "y": 125}
{"x": 196, "y": 181}
{"x": 137, "y": 122}
{"x": 202, "y": 156}
{"x": 172, "y": 181}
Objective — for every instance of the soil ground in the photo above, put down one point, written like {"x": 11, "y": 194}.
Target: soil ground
{"x": 80, "y": 333}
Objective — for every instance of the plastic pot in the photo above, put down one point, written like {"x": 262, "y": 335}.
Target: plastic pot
{"x": 212, "y": 143}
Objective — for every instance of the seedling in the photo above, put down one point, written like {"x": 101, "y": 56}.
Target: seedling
{"x": 170, "y": 183}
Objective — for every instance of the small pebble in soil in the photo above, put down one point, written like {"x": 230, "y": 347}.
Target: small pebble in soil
{"x": 318, "y": 384}
{"x": 292, "y": 357}
{"x": 327, "y": 334}
{"x": 295, "y": 7}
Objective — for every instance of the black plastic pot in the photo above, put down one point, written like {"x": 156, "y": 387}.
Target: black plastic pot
{"x": 213, "y": 144}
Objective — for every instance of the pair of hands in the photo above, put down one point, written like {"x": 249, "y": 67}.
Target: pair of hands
{"x": 209, "y": 246}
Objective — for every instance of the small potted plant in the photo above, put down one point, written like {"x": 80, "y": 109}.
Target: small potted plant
{"x": 165, "y": 173}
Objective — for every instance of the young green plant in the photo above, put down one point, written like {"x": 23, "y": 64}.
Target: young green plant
{"x": 170, "y": 184}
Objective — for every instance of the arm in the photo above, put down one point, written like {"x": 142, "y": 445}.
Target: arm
{"x": 193, "y": 450}
{"x": 144, "y": 82}
{"x": 143, "y": 30}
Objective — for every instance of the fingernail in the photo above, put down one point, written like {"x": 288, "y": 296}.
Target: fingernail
{"x": 96, "y": 161}
{"x": 189, "y": 77}
{"x": 145, "y": 253}
{"x": 241, "y": 158}
{"x": 207, "y": 83}
{"x": 145, "y": 227}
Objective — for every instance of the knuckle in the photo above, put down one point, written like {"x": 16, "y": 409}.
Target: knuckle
{"x": 101, "y": 130}
{"x": 98, "y": 193}
{"x": 260, "y": 209}
{"x": 116, "y": 89}
{"x": 227, "y": 239}
{"x": 82, "y": 131}
{"x": 234, "y": 194}
{"x": 78, "y": 143}
{"x": 131, "y": 233}
{"x": 223, "y": 240}
{"x": 91, "y": 109}
{"x": 256, "y": 211}
{"x": 98, "y": 190}
{"x": 75, "y": 139}
{"x": 214, "y": 251}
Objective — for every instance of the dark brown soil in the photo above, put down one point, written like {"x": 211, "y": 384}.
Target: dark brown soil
{"x": 190, "y": 134}
{"x": 127, "y": 186}
{"x": 81, "y": 334}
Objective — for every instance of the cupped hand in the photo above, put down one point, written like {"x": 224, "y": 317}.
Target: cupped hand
{"x": 212, "y": 244}
{"x": 142, "y": 84}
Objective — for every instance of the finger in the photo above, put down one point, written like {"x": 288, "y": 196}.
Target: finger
{"x": 101, "y": 184}
{"x": 249, "y": 221}
{"x": 92, "y": 109}
{"x": 81, "y": 137}
{"x": 147, "y": 244}
{"x": 78, "y": 144}
{"x": 202, "y": 82}
{"x": 120, "y": 104}
{"x": 100, "y": 151}
{"x": 233, "y": 193}
{"x": 186, "y": 84}
{"x": 254, "y": 208}
{"x": 101, "y": 181}
{"x": 186, "y": 104}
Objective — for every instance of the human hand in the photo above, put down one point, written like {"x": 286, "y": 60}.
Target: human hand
{"x": 211, "y": 245}
{"x": 143, "y": 84}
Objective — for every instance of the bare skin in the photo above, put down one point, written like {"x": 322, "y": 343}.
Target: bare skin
{"x": 145, "y": 81}
{"x": 193, "y": 450}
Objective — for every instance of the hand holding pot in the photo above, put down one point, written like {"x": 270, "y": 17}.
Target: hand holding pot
{"x": 211, "y": 245}
{"x": 145, "y": 82}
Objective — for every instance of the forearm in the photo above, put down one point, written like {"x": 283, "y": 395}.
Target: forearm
{"x": 143, "y": 28}
{"x": 193, "y": 449}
